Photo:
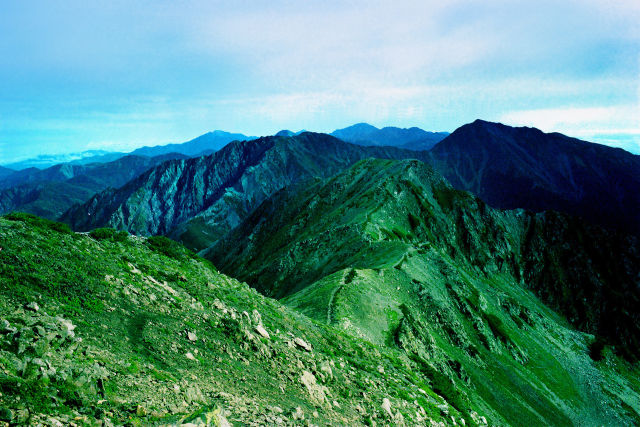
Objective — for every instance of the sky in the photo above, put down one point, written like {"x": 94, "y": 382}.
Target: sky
{"x": 115, "y": 75}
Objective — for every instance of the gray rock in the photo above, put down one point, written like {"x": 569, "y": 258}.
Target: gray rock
{"x": 32, "y": 306}
{"x": 302, "y": 344}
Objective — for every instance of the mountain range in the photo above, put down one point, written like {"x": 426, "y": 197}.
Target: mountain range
{"x": 198, "y": 200}
{"x": 210, "y": 142}
{"x": 204, "y": 144}
{"x": 490, "y": 280}
{"x": 411, "y": 139}
{"x": 47, "y": 160}
{"x": 506, "y": 167}
{"x": 51, "y": 192}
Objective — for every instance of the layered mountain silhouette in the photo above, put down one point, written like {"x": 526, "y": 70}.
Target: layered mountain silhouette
{"x": 505, "y": 166}
{"x": 390, "y": 252}
{"x": 204, "y": 144}
{"x": 44, "y": 161}
{"x": 412, "y": 138}
{"x": 526, "y": 168}
{"x": 197, "y": 201}
{"x": 50, "y": 192}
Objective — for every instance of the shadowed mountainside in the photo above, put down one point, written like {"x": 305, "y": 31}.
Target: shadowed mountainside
{"x": 511, "y": 167}
{"x": 4, "y": 172}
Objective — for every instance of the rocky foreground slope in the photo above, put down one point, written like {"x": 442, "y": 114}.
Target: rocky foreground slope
{"x": 105, "y": 328}
{"x": 388, "y": 251}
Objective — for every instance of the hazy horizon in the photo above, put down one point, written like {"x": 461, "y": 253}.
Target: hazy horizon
{"x": 120, "y": 75}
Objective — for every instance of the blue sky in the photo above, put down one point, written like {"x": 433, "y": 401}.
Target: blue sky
{"x": 116, "y": 75}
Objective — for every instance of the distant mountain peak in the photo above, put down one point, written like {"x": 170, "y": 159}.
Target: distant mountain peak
{"x": 204, "y": 144}
{"x": 412, "y": 138}
{"x": 285, "y": 132}
{"x": 362, "y": 125}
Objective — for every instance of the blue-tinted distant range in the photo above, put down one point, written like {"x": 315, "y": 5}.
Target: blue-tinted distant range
{"x": 117, "y": 76}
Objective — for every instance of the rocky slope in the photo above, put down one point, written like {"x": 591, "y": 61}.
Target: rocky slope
{"x": 388, "y": 251}
{"x": 525, "y": 168}
{"x": 105, "y": 328}
{"x": 196, "y": 201}
{"x": 411, "y": 139}
{"x": 51, "y": 192}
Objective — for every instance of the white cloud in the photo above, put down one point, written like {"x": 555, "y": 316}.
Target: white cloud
{"x": 611, "y": 125}
{"x": 559, "y": 118}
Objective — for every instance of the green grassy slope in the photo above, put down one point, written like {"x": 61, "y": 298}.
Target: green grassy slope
{"x": 389, "y": 252}
{"x": 105, "y": 327}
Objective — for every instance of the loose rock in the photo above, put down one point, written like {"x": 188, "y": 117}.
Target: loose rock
{"x": 302, "y": 344}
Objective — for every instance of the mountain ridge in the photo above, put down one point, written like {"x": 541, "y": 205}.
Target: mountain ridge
{"x": 218, "y": 191}
{"x": 52, "y": 191}
{"x": 106, "y": 328}
{"x": 526, "y": 168}
{"x": 412, "y": 138}
{"x": 390, "y": 252}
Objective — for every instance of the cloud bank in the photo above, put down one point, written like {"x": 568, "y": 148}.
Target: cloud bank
{"x": 124, "y": 74}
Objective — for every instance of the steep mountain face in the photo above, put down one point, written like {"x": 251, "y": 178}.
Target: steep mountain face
{"x": 411, "y": 139}
{"x": 209, "y": 142}
{"x": 390, "y": 252}
{"x": 525, "y": 168}
{"x": 51, "y": 192}
{"x": 197, "y": 201}
{"x": 109, "y": 329}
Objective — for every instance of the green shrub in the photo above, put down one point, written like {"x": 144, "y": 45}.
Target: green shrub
{"x": 595, "y": 348}
{"x": 102, "y": 233}
{"x": 109, "y": 234}
{"x": 167, "y": 246}
{"x": 38, "y": 222}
